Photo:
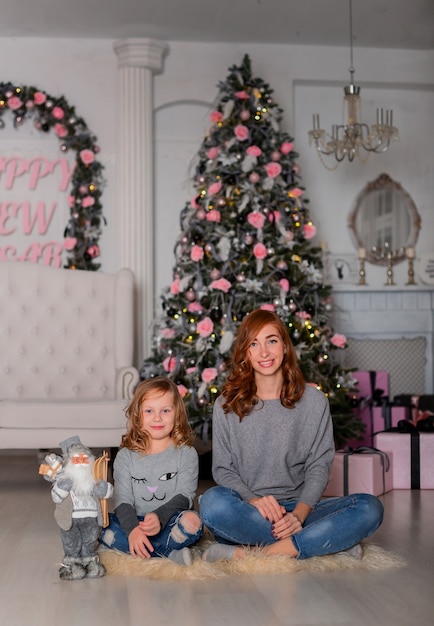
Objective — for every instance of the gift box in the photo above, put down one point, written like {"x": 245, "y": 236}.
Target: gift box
{"x": 373, "y": 384}
{"x": 423, "y": 402}
{"x": 363, "y": 470}
{"x": 419, "y": 407}
{"x": 388, "y": 416}
{"x": 413, "y": 458}
{"x": 373, "y": 388}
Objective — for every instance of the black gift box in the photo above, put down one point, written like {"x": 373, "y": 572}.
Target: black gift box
{"x": 423, "y": 402}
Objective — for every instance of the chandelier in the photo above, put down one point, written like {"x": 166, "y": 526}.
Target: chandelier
{"x": 353, "y": 137}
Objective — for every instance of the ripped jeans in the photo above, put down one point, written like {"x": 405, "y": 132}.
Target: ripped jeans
{"x": 334, "y": 524}
{"x": 114, "y": 537}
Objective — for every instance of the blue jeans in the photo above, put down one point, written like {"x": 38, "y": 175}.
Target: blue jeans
{"x": 335, "y": 524}
{"x": 114, "y": 537}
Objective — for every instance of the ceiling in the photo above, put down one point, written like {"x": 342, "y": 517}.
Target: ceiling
{"x": 404, "y": 24}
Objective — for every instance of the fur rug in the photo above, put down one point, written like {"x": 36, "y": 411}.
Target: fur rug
{"x": 118, "y": 563}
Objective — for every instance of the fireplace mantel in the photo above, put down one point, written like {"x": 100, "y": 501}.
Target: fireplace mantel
{"x": 392, "y": 312}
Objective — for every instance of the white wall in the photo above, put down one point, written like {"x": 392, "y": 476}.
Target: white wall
{"x": 305, "y": 80}
{"x": 85, "y": 73}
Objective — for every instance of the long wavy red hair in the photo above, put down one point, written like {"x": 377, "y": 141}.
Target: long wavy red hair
{"x": 138, "y": 439}
{"x": 239, "y": 390}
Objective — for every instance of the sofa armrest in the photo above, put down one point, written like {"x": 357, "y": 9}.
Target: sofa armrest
{"x": 127, "y": 379}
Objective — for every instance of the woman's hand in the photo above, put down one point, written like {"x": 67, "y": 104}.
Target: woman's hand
{"x": 139, "y": 544}
{"x": 151, "y": 525}
{"x": 268, "y": 507}
{"x": 287, "y": 526}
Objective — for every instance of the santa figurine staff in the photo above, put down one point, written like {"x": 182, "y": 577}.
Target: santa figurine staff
{"x": 77, "y": 494}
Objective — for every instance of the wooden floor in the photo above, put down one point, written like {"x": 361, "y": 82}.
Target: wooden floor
{"x": 31, "y": 593}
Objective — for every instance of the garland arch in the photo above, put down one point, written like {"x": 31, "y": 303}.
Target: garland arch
{"x": 84, "y": 226}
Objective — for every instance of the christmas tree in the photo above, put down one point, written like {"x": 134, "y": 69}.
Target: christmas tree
{"x": 244, "y": 244}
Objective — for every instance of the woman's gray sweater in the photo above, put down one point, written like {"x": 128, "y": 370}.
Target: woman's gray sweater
{"x": 275, "y": 451}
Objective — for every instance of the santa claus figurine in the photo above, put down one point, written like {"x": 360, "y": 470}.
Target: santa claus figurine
{"x": 76, "y": 494}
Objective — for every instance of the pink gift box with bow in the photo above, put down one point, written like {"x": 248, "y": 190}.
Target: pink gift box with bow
{"x": 413, "y": 458}
{"x": 368, "y": 382}
{"x": 397, "y": 413}
{"x": 367, "y": 473}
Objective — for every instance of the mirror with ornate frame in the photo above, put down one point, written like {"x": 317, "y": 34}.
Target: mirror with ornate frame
{"x": 384, "y": 221}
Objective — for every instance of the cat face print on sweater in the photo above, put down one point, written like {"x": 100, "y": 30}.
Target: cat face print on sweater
{"x": 154, "y": 486}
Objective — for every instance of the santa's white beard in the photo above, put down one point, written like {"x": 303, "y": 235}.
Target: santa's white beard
{"x": 82, "y": 478}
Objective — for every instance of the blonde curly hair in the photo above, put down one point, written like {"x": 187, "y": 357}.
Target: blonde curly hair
{"x": 138, "y": 439}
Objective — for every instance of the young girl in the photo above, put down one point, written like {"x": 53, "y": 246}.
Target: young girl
{"x": 155, "y": 478}
{"x": 272, "y": 452}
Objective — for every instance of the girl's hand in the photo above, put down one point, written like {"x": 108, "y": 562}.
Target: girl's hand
{"x": 139, "y": 544}
{"x": 287, "y": 526}
{"x": 151, "y": 525}
{"x": 268, "y": 507}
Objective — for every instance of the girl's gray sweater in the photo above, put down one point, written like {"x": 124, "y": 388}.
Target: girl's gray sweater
{"x": 163, "y": 483}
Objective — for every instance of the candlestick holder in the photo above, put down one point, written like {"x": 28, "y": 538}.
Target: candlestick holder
{"x": 389, "y": 272}
{"x": 362, "y": 273}
{"x": 410, "y": 272}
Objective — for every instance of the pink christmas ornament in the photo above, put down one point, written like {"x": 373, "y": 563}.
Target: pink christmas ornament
{"x": 215, "y": 274}
{"x": 174, "y": 287}
{"x": 205, "y": 327}
{"x": 167, "y": 333}
{"x": 209, "y": 374}
{"x": 213, "y": 216}
{"x": 295, "y": 193}
{"x": 216, "y": 116}
{"x": 286, "y": 147}
{"x": 241, "y": 132}
{"x": 196, "y": 253}
{"x": 256, "y": 219}
{"x": 87, "y": 202}
{"x": 273, "y": 169}
{"x": 213, "y": 153}
{"x": 87, "y": 156}
{"x": 260, "y": 251}
{"x": 284, "y": 283}
{"x": 14, "y": 103}
{"x": 39, "y": 97}
{"x": 214, "y": 188}
{"x": 182, "y": 390}
{"x": 254, "y": 151}
{"x": 303, "y": 315}
{"x": 58, "y": 113}
{"x": 169, "y": 364}
{"x": 60, "y": 130}
{"x": 309, "y": 230}
{"x": 222, "y": 284}
{"x": 338, "y": 340}
{"x": 93, "y": 251}
{"x": 195, "y": 307}
{"x": 69, "y": 243}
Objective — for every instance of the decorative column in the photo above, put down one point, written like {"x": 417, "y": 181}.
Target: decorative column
{"x": 138, "y": 60}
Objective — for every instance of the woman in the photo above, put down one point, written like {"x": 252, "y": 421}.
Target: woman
{"x": 272, "y": 452}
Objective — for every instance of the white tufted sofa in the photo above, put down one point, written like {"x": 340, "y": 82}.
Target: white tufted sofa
{"x": 66, "y": 355}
